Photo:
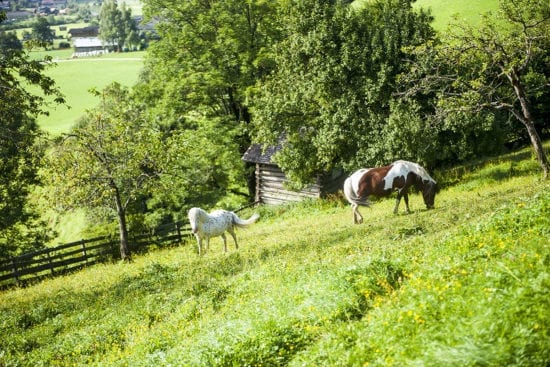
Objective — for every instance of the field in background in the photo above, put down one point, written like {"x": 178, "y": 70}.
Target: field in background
{"x": 464, "y": 284}
{"x": 467, "y": 10}
{"x": 443, "y": 10}
{"x": 75, "y": 77}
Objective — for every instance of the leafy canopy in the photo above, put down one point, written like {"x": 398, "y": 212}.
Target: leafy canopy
{"x": 330, "y": 93}
{"x": 21, "y": 145}
{"x": 108, "y": 162}
{"x": 500, "y": 66}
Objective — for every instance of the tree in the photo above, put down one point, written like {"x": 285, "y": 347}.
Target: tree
{"x": 131, "y": 34}
{"x": 20, "y": 142}
{"x": 107, "y": 162}
{"x": 111, "y": 26}
{"x": 42, "y": 33}
{"x": 501, "y": 65}
{"x": 336, "y": 72}
{"x": 9, "y": 42}
{"x": 212, "y": 52}
{"x": 209, "y": 55}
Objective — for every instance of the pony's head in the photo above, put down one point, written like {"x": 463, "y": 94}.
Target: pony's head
{"x": 429, "y": 190}
{"x": 194, "y": 215}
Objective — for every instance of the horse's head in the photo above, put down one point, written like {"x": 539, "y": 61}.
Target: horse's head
{"x": 194, "y": 215}
{"x": 429, "y": 190}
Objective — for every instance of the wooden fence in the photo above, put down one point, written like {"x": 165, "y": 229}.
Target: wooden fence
{"x": 58, "y": 260}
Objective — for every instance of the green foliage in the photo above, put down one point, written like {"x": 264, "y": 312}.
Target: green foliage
{"x": 412, "y": 134}
{"x": 42, "y": 34}
{"x": 196, "y": 81}
{"x": 21, "y": 146}
{"x": 108, "y": 162}
{"x": 207, "y": 57}
{"x": 465, "y": 284}
{"x": 202, "y": 166}
{"x": 112, "y": 29}
{"x": 499, "y": 66}
{"x": 331, "y": 92}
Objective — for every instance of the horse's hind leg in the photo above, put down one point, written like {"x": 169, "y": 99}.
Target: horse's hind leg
{"x": 224, "y": 242}
{"x": 397, "y": 203}
{"x": 357, "y": 217}
{"x": 206, "y": 244}
{"x": 232, "y": 233}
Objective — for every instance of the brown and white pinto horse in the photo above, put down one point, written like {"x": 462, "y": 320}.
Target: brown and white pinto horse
{"x": 382, "y": 181}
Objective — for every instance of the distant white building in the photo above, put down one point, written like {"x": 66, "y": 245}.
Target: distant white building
{"x": 90, "y": 46}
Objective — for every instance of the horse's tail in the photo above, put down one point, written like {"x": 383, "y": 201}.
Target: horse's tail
{"x": 351, "y": 196}
{"x": 244, "y": 223}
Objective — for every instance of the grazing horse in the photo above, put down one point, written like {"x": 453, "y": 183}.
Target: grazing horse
{"x": 206, "y": 226}
{"x": 382, "y": 181}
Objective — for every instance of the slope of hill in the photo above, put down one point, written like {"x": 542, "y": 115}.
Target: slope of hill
{"x": 464, "y": 284}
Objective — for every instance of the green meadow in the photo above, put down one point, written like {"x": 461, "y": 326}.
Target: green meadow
{"x": 465, "y": 284}
{"x": 466, "y": 11}
{"x": 75, "y": 78}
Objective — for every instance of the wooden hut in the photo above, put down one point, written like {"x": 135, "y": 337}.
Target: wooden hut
{"x": 271, "y": 181}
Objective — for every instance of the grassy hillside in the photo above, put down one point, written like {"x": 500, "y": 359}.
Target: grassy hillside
{"x": 462, "y": 285}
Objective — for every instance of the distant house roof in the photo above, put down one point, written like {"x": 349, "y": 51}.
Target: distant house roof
{"x": 91, "y": 31}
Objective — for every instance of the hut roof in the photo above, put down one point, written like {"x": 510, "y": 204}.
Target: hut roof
{"x": 257, "y": 153}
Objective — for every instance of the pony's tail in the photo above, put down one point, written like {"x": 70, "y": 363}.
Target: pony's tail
{"x": 351, "y": 196}
{"x": 244, "y": 223}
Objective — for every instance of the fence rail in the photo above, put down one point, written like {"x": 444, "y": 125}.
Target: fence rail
{"x": 47, "y": 262}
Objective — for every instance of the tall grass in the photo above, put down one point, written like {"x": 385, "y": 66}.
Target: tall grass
{"x": 465, "y": 284}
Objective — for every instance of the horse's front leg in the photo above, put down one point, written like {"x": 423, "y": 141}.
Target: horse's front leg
{"x": 199, "y": 243}
{"x": 406, "y": 198}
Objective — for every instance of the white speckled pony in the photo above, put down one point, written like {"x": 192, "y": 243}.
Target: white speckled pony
{"x": 382, "y": 181}
{"x": 206, "y": 226}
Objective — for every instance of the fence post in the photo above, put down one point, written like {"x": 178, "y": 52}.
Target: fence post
{"x": 83, "y": 244}
{"x": 15, "y": 272}
{"x": 178, "y": 231}
{"x": 50, "y": 262}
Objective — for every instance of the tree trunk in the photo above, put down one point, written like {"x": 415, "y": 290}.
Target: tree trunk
{"x": 527, "y": 120}
{"x": 122, "y": 228}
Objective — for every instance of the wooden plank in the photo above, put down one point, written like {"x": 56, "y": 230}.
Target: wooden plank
{"x": 282, "y": 187}
{"x": 274, "y": 188}
{"x": 272, "y": 174}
